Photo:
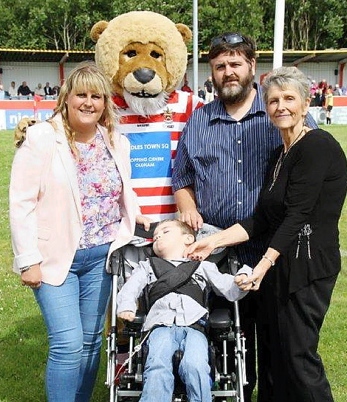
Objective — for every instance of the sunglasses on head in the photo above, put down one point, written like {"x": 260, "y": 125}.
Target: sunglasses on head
{"x": 232, "y": 38}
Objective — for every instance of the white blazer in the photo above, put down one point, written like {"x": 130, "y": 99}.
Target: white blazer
{"x": 45, "y": 206}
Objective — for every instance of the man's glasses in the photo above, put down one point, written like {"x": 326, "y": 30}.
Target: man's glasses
{"x": 232, "y": 38}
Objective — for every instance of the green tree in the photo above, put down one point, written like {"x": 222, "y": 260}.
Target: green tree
{"x": 51, "y": 24}
{"x": 216, "y": 17}
{"x": 66, "y": 24}
{"x": 312, "y": 25}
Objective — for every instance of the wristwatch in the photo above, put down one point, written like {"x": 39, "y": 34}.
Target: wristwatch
{"x": 24, "y": 269}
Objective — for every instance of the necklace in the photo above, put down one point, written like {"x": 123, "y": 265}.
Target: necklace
{"x": 282, "y": 158}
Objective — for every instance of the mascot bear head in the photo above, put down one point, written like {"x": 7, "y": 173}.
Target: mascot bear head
{"x": 144, "y": 54}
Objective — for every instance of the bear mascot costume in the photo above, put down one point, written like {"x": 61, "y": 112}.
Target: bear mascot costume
{"x": 144, "y": 55}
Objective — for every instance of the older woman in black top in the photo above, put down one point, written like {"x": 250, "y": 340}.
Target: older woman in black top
{"x": 298, "y": 210}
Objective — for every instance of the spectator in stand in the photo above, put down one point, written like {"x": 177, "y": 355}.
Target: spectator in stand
{"x": 186, "y": 87}
{"x": 329, "y": 103}
{"x": 24, "y": 90}
{"x": 39, "y": 90}
{"x": 323, "y": 85}
{"x": 2, "y": 92}
{"x": 337, "y": 90}
{"x": 48, "y": 90}
{"x": 209, "y": 90}
{"x": 12, "y": 90}
{"x": 56, "y": 90}
{"x": 313, "y": 90}
{"x": 319, "y": 98}
{"x": 201, "y": 93}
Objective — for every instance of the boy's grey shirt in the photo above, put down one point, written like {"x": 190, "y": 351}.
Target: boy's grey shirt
{"x": 176, "y": 308}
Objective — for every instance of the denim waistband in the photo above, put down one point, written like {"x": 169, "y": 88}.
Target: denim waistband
{"x": 96, "y": 251}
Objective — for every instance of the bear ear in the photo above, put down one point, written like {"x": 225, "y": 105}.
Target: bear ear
{"x": 185, "y": 32}
{"x": 97, "y": 30}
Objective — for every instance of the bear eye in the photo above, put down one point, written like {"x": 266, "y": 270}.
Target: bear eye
{"x": 131, "y": 53}
{"x": 155, "y": 54}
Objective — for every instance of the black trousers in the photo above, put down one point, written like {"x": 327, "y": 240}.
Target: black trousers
{"x": 297, "y": 370}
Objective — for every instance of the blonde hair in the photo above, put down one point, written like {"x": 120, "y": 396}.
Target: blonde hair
{"x": 86, "y": 76}
{"x": 185, "y": 228}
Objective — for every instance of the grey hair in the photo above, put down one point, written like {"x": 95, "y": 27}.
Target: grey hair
{"x": 287, "y": 77}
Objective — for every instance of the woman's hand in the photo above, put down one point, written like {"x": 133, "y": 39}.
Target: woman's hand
{"x": 201, "y": 249}
{"x": 253, "y": 281}
{"x": 143, "y": 220}
{"x": 32, "y": 277}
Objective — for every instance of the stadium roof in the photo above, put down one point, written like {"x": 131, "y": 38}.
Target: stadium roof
{"x": 296, "y": 57}
{"x": 293, "y": 57}
{"x": 34, "y": 55}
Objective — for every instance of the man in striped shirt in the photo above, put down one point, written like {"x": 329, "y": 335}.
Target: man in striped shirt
{"x": 221, "y": 162}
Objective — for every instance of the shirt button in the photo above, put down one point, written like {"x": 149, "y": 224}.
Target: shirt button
{"x": 239, "y": 202}
{"x": 239, "y": 141}
{"x": 239, "y": 161}
{"x": 239, "y": 181}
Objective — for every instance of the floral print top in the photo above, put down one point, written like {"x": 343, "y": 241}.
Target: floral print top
{"x": 100, "y": 187}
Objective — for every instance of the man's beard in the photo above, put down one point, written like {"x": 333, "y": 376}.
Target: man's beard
{"x": 235, "y": 94}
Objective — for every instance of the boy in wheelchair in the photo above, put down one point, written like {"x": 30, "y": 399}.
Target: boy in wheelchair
{"x": 177, "y": 316}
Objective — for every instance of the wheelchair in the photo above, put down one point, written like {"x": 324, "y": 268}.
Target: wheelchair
{"x": 124, "y": 379}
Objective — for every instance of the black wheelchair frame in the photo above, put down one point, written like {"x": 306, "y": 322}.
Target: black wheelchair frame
{"x": 125, "y": 380}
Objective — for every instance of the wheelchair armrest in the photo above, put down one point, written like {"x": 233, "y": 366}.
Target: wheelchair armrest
{"x": 220, "y": 319}
{"x": 134, "y": 328}
{"x": 137, "y": 322}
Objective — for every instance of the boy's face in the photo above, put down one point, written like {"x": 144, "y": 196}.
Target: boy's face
{"x": 168, "y": 238}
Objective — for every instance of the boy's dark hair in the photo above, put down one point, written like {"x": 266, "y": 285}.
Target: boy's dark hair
{"x": 232, "y": 42}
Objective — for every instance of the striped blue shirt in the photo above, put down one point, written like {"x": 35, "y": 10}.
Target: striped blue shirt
{"x": 225, "y": 161}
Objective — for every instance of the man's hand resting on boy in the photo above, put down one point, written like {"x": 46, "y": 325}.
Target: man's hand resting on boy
{"x": 127, "y": 315}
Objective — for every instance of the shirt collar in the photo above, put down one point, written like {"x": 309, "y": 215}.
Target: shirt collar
{"x": 218, "y": 111}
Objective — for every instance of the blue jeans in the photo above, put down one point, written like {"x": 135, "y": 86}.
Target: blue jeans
{"x": 194, "y": 369}
{"x": 74, "y": 313}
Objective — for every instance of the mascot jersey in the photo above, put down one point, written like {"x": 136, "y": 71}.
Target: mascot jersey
{"x": 153, "y": 142}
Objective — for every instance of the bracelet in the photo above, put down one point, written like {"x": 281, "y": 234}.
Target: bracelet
{"x": 24, "y": 269}
{"x": 269, "y": 259}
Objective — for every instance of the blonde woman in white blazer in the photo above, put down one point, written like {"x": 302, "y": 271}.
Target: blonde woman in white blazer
{"x": 71, "y": 205}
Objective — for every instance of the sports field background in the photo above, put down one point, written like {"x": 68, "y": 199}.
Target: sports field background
{"x": 23, "y": 343}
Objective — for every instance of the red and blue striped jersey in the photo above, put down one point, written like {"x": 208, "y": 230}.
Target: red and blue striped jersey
{"x": 153, "y": 143}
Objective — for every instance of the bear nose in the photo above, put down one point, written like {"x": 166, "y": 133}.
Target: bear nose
{"x": 144, "y": 75}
